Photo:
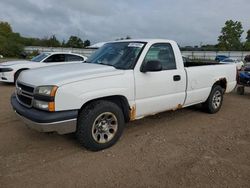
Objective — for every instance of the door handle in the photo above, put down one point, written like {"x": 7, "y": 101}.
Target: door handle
{"x": 177, "y": 77}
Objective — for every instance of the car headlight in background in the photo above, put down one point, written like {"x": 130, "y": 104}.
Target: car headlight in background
{"x": 44, "y": 98}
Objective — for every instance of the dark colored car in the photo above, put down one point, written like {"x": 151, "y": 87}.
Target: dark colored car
{"x": 244, "y": 77}
{"x": 219, "y": 58}
{"x": 247, "y": 58}
{"x": 243, "y": 80}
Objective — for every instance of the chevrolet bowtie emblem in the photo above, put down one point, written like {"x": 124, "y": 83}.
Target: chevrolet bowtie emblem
{"x": 19, "y": 90}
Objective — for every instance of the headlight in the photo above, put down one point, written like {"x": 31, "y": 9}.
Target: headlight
{"x": 44, "y": 105}
{"x": 44, "y": 98}
{"x": 46, "y": 90}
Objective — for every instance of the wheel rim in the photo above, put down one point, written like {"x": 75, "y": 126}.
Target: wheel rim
{"x": 216, "y": 101}
{"x": 104, "y": 127}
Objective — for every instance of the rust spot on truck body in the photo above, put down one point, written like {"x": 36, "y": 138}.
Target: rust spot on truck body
{"x": 133, "y": 113}
{"x": 179, "y": 106}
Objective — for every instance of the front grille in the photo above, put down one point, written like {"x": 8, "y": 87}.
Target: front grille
{"x": 25, "y": 88}
{"x": 25, "y": 94}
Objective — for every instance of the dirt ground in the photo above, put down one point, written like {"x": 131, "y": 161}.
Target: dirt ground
{"x": 185, "y": 148}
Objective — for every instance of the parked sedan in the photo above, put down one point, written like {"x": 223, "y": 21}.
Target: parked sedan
{"x": 9, "y": 71}
{"x": 219, "y": 58}
{"x": 239, "y": 64}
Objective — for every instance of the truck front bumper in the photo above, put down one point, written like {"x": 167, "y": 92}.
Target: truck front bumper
{"x": 61, "y": 122}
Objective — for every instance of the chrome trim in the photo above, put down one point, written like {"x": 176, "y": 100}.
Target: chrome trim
{"x": 29, "y": 85}
{"x": 29, "y": 93}
{"x": 25, "y": 94}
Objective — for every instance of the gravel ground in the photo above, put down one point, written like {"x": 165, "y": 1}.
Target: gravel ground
{"x": 185, "y": 148}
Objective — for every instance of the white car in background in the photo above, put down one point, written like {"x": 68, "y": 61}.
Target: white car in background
{"x": 239, "y": 64}
{"x": 9, "y": 71}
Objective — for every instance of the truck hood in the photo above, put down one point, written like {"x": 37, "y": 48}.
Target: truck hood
{"x": 11, "y": 63}
{"x": 67, "y": 73}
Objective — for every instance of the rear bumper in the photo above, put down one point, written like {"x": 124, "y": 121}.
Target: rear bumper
{"x": 61, "y": 122}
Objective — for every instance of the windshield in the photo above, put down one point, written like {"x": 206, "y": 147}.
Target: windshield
{"x": 121, "y": 55}
{"x": 40, "y": 57}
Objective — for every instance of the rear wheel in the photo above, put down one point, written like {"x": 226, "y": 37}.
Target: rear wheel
{"x": 100, "y": 124}
{"x": 214, "y": 101}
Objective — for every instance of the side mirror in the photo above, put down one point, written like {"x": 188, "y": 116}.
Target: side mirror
{"x": 151, "y": 66}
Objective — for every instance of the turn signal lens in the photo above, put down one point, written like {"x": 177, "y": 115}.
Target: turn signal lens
{"x": 51, "y": 106}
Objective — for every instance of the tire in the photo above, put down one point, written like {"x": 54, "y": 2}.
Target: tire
{"x": 214, "y": 101}
{"x": 100, "y": 124}
{"x": 241, "y": 90}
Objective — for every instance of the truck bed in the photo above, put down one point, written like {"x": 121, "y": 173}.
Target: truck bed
{"x": 201, "y": 79}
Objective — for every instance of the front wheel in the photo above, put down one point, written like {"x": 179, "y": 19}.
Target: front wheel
{"x": 100, "y": 124}
{"x": 214, "y": 101}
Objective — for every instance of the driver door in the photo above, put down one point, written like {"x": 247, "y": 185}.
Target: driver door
{"x": 161, "y": 90}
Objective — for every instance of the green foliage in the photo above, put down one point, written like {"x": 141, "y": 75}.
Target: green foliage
{"x": 46, "y": 42}
{"x": 248, "y": 36}
{"x": 5, "y": 29}
{"x": 230, "y": 38}
{"x": 10, "y": 43}
{"x": 247, "y": 46}
{"x": 75, "y": 42}
{"x": 51, "y": 42}
{"x": 86, "y": 43}
{"x": 209, "y": 47}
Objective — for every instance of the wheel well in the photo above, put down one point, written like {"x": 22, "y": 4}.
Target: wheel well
{"x": 221, "y": 82}
{"x": 119, "y": 100}
{"x": 20, "y": 70}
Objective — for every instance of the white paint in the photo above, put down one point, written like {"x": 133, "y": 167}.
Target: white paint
{"x": 18, "y": 65}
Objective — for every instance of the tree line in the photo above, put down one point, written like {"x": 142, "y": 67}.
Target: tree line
{"x": 228, "y": 40}
{"x": 12, "y": 44}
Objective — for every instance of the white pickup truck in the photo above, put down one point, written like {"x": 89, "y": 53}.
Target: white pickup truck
{"x": 122, "y": 81}
{"x": 9, "y": 71}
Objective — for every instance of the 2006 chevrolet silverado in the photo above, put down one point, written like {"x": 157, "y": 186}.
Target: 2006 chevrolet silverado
{"x": 120, "y": 82}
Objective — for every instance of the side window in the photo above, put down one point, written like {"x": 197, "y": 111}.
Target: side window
{"x": 70, "y": 57}
{"x": 163, "y": 53}
{"x": 55, "y": 58}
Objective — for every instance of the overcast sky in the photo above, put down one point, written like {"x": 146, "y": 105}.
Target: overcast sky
{"x": 189, "y": 22}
